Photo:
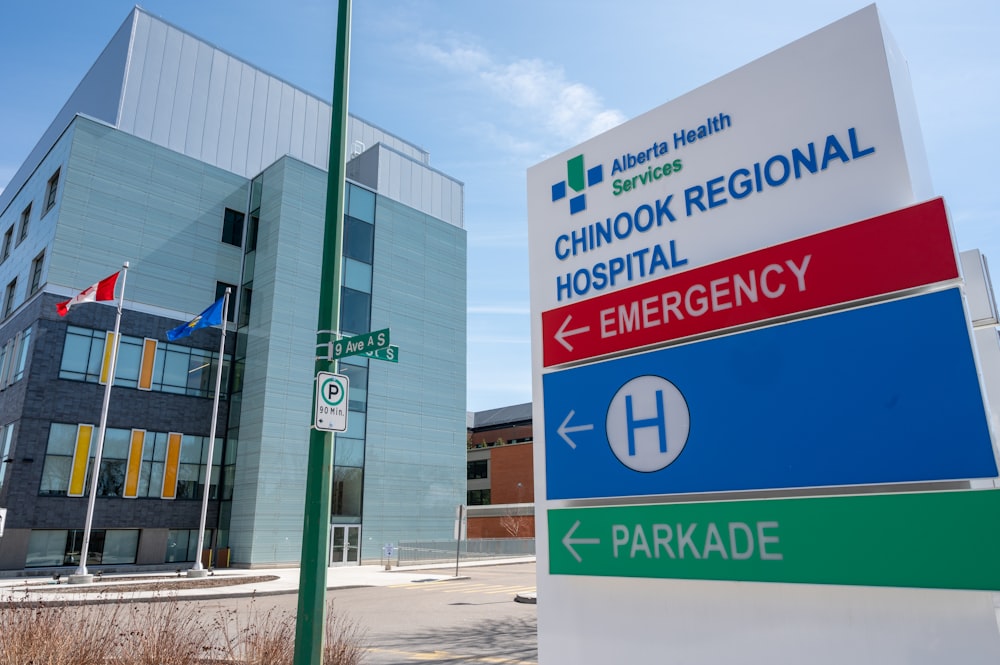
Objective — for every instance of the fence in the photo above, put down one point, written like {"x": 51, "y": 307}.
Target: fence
{"x": 444, "y": 551}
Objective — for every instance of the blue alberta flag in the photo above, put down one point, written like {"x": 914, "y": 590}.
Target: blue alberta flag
{"x": 210, "y": 317}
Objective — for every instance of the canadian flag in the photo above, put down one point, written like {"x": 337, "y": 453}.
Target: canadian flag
{"x": 103, "y": 290}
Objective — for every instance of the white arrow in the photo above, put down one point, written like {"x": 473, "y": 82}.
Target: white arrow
{"x": 563, "y": 430}
{"x": 562, "y": 333}
{"x": 569, "y": 541}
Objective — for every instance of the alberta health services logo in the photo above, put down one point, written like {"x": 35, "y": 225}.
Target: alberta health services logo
{"x": 578, "y": 178}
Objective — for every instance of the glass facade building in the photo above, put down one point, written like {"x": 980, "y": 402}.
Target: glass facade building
{"x": 205, "y": 173}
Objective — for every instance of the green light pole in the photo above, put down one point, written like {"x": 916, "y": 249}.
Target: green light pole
{"x": 311, "y": 618}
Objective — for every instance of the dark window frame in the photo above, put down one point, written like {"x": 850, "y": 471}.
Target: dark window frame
{"x": 8, "y": 244}
{"x": 220, "y": 290}
{"x": 51, "y": 190}
{"x": 8, "y": 297}
{"x": 36, "y": 273}
{"x": 233, "y": 222}
{"x": 25, "y": 221}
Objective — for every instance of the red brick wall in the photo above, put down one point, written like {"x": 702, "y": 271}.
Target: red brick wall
{"x": 493, "y": 527}
{"x": 510, "y": 465}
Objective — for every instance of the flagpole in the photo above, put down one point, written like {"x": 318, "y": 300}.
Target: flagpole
{"x": 198, "y": 570}
{"x": 81, "y": 576}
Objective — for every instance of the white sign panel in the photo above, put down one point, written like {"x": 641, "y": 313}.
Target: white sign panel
{"x": 331, "y": 402}
{"x": 814, "y": 136}
{"x": 759, "y": 156}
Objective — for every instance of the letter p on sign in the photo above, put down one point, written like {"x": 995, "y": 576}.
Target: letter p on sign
{"x": 331, "y": 402}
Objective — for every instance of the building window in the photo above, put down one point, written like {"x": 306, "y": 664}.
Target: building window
{"x": 478, "y": 498}
{"x": 36, "y": 273}
{"x": 59, "y": 547}
{"x": 25, "y": 220}
{"x": 228, "y": 480}
{"x": 14, "y": 358}
{"x": 232, "y": 227}
{"x": 116, "y": 474}
{"x": 177, "y": 369}
{"x": 358, "y": 380}
{"x": 50, "y": 192}
{"x": 8, "y": 241}
{"x": 20, "y": 358}
{"x": 182, "y": 543}
{"x": 246, "y": 297}
{"x": 114, "y": 457}
{"x": 190, "y": 473}
{"x": 359, "y": 240}
{"x": 347, "y": 493}
{"x": 6, "y": 436}
{"x": 253, "y": 231}
{"x": 187, "y": 371}
{"x": 6, "y": 354}
{"x": 477, "y": 469}
{"x": 355, "y": 311}
{"x": 8, "y": 297}
{"x": 220, "y": 290}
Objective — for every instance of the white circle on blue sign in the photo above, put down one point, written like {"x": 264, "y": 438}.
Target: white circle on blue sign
{"x": 648, "y": 423}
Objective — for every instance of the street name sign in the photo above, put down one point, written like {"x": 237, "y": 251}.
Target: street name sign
{"x": 359, "y": 344}
{"x": 389, "y": 354}
{"x": 331, "y": 402}
{"x": 900, "y": 250}
{"x": 865, "y": 395}
{"x": 923, "y": 539}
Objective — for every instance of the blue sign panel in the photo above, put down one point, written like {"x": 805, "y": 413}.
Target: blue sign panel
{"x": 881, "y": 394}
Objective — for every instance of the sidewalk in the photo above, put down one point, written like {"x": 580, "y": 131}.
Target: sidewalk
{"x": 223, "y": 583}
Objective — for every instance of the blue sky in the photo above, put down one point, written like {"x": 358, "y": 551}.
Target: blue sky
{"x": 491, "y": 88}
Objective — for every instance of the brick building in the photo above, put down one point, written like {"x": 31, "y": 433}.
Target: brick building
{"x": 501, "y": 488}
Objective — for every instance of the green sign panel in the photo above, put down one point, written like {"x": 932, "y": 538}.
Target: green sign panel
{"x": 360, "y": 344}
{"x": 947, "y": 540}
{"x": 389, "y": 353}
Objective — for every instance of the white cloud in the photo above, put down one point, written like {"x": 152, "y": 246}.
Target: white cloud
{"x": 568, "y": 111}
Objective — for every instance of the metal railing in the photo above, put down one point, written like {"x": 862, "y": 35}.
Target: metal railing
{"x": 444, "y": 551}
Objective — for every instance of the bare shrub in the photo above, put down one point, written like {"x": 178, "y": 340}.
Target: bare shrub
{"x": 162, "y": 633}
{"x": 261, "y": 638}
{"x": 345, "y": 642}
{"x": 35, "y": 634}
{"x": 165, "y": 632}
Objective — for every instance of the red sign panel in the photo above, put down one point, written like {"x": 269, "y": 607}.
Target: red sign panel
{"x": 901, "y": 250}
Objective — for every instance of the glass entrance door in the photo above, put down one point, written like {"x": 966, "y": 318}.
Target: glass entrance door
{"x": 345, "y": 541}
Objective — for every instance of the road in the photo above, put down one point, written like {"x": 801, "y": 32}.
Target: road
{"x": 474, "y": 620}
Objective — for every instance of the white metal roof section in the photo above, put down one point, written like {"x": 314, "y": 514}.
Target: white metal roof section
{"x": 412, "y": 183}
{"x": 162, "y": 84}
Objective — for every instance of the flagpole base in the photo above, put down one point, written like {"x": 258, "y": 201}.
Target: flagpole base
{"x": 197, "y": 573}
{"x": 84, "y": 578}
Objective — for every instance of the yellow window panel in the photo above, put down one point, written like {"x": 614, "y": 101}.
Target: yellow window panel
{"x": 81, "y": 458}
{"x": 134, "y": 463}
{"x": 148, "y": 359}
{"x": 171, "y": 465}
{"x": 106, "y": 363}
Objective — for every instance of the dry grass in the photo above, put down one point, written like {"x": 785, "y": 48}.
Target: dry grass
{"x": 161, "y": 633}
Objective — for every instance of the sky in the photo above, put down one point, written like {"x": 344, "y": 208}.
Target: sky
{"x": 492, "y": 88}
